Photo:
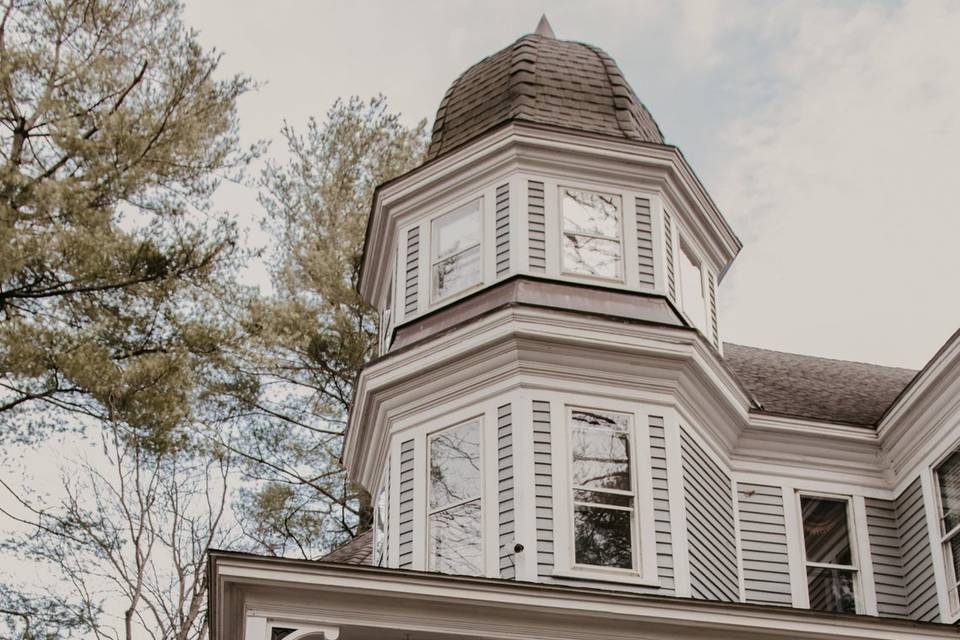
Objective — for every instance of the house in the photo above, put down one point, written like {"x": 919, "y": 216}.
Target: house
{"x": 559, "y": 444}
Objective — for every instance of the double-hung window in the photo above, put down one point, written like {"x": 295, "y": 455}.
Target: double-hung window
{"x": 604, "y": 522}
{"x": 380, "y": 523}
{"x": 692, "y": 295}
{"x": 454, "y": 527}
{"x": 591, "y": 233}
{"x": 948, "y": 480}
{"x": 455, "y": 262}
{"x": 829, "y": 554}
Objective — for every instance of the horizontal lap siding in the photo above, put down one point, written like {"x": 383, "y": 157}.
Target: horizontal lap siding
{"x": 543, "y": 486}
{"x": 885, "y": 554}
{"x": 763, "y": 543}
{"x": 668, "y": 253}
{"x": 710, "y": 525}
{"x": 644, "y": 243}
{"x": 405, "y": 560}
{"x": 503, "y": 230}
{"x": 505, "y": 490}
{"x": 413, "y": 258}
{"x": 661, "y": 504}
{"x": 918, "y": 576}
{"x": 537, "y": 228}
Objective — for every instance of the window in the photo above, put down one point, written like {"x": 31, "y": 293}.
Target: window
{"x": 831, "y": 569}
{"x": 454, "y": 507}
{"x": 386, "y": 320}
{"x": 380, "y": 528}
{"x": 692, "y": 296}
{"x": 455, "y": 257}
{"x": 591, "y": 233}
{"x": 602, "y": 489}
{"x": 948, "y": 479}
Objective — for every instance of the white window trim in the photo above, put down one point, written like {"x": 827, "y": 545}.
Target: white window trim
{"x": 558, "y": 208}
{"x": 684, "y": 247}
{"x": 644, "y": 534}
{"x": 853, "y": 528}
{"x": 950, "y": 604}
{"x": 481, "y": 493}
{"x": 426, "y": 231}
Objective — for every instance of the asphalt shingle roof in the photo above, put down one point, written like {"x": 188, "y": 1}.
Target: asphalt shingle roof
{"x": 544, "y": 80}
{"x": 357, "y": 551}
{"x": 789, "y": 384}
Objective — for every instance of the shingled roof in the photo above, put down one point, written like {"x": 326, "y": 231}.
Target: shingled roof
{"x": 543, "y": 80}
{"x": 357, "y": 551}
{"x": 788, "y": 384}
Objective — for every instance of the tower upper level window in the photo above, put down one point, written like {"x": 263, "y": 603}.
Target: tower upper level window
{"x": 455, "y": 250}
{"x": 592, "y": 233}
{"x": 692, "y": 294}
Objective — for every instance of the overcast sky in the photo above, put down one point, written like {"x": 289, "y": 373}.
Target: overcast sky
{"x": 828, "y": 133}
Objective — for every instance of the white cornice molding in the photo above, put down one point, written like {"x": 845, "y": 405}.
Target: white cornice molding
{"x": 923, "y": 420}
{"x": 363, "y": 597}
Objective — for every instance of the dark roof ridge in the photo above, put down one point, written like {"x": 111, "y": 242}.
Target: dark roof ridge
{"x": 826, "y": 358}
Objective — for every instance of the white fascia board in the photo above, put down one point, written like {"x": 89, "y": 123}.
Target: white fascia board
{"x": 433, "y": 604}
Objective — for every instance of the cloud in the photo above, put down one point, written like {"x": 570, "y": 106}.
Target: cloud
{"x": 843, "y": 186}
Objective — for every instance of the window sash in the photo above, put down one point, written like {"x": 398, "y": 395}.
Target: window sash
{"x": 617, "y": 238}
{"x": 853, "y": 568}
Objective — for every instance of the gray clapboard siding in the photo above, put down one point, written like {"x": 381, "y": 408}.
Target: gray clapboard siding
{"x": 919, "y": 582}
{"x": 536, "y": 227}
{"x": 543, "y": 486}
{"x": 763, "y": 543}
{"x": 503, "y": 230}
{"x": 405, "y": 559}
{"x": 644, "y": 242}
{"x": 715, "y": 338}
{"x": 668, "y": 254}
{"x": 506, "y": 490}
{"x": 885, "y": 554}
{"x": 413, "y": 261}
{"x": 710, "y": 525}
{"x": 661, "y": 504}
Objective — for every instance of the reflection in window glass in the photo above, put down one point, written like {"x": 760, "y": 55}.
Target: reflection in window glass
{"x": 691, "y": 290}
{"x": 455, "y": 254}
{"x": 591, "y": 233}
{"x": 603, "y": 495}
{"x": 454, "y": 527}
{"x": 380, "y": 531}
{"x": 948, "y": 479}
{"x": 830, "y": 567}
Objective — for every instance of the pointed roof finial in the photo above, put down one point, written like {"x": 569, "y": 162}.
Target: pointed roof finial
{"x": 544, "y": 29}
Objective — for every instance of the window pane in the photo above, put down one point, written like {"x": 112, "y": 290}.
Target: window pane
{"x": 591, "y": 256}
{"x": 602, "y": 497}
{"x": 380, "y": 533}
{"x": 455, "y": 540}
{"x": 455, "y": 231}
{"x": 591, "y": 213}
{"x": 691, "y": 290}
{"x": 825, "y": 532}
{"x": 953, "y": 560}
{"x": 601, "y": 450}
{"x": 455, "y": 465}
{"x": 603, "y": 537}
{"x": 831, "y": 590}
{"x": 456, "y": 273}
{"x": 948, "y": 475}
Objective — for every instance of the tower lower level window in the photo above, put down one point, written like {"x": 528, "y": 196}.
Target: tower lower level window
{"x": 831, "y": 569}
{"x": 603, "y": 492}
{"x": 454, "y": 507}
